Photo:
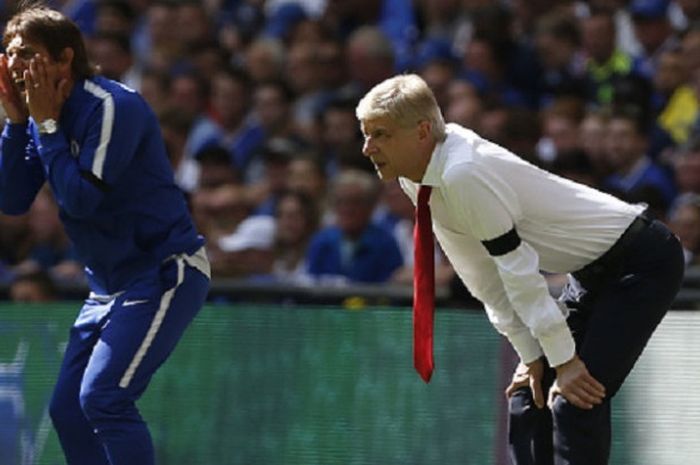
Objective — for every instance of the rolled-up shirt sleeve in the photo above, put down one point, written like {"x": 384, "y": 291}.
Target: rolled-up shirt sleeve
{"x": 527, "y": 315}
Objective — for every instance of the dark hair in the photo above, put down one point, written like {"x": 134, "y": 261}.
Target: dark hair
{"x": 54, "y": 31}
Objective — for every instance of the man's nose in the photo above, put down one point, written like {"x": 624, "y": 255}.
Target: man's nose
{"x": 367, "y": 148}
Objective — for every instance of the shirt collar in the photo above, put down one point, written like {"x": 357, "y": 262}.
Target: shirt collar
{"x": 433, "y": 172}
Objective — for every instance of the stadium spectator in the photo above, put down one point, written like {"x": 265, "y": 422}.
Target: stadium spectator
{"x": 632, "y": 168}
{"x": 264, "y": 59}
{"x": 563, "y": 72}
{"x": 353, "y": 249}
{"x": 653, "y": 29}
{"x": 686, "y": 162}
{"x": 464, "y": 103}
{"x": 684, "y": 221}
{"x": 33, "y": 287}
{"x": 341, "y": 139}
{"x": 606, "y": 62}
{"x": 111, "y": 51}
{"x": 396, "y": 214}
{"x": 50, "y": 249}
{"x": 297, "y": 219}
{"x": 248, "y": 252}
{"x": 592, "y": 132}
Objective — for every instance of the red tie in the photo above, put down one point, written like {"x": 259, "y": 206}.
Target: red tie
{"x": 423, "y": 287}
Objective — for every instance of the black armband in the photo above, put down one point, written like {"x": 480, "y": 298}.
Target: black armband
{"x": 501, "y": 245}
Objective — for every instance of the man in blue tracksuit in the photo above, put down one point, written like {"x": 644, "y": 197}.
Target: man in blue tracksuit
{"x": 99, "y": 147}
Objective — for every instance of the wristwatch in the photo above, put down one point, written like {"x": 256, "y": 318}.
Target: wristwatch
{"x": 48, "y": 126}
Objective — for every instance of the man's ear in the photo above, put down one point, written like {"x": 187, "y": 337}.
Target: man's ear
{"x": 424, "y": 129}
{"x": 66, "y": 57}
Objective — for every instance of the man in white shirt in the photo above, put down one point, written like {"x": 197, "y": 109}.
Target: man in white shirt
{"x": 500, "y": 221}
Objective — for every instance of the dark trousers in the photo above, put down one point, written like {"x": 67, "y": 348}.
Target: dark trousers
{"x": 611, "y": 320}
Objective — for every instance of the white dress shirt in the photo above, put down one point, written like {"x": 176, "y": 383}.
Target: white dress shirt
{"x": 482, "y": 191}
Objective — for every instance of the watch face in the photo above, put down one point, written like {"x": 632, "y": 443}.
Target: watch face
{"x": 48, "y": 126}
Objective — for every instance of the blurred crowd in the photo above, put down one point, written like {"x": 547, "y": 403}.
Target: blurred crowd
{"x": 256, "y": 102}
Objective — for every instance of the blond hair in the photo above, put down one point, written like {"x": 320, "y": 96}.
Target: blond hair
{"x": 407, "y": 100}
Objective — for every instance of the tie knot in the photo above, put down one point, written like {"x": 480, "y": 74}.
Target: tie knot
{"x": 424, "y": 194}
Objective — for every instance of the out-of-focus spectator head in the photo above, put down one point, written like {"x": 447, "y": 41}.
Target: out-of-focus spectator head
{"x": 632, "y": 94}
{"x": 464, "y": 104}
{"x": 396, "y": 202}
{"x": 651, "y": 23}
{"x": 671, "y": 72}
{"x": 155, "y": 89}
{"x": 574, "y": 165}
{"x": 33, "y": 287}
{"x": 342, "y": 134}
{"x": 276, "y": 156}
{"x": 598, "y": 35}
{"x": 339, "y": 122}
{"x": 265, "y": 59}
{"x": 161, "y": 16}
{"x": 271, "y": 104}
{"x": 283, "y": 19}
{"x": 521, "y": 132}
{"x": 192, "y": 22}
{"x": 690, "y": 48}
{"x": 303, "y": 71}
{"x": 175, "y": 126}
{"x": 492, "y": 124}
{"x": 297, "y": 219}
{"x": 687, "y": 167}
{"x": 310, "y": 31}
{"x": 111, "y": 51}
{"x": 207, "y": 57}
{"x": 215, "y": 168}
{"x": 626, "y": 140}
{"x": 217, "y": 212}
{"x": 557, "y": 39}
{"x": 560, "y": 124}
{"x": 592, "y": 134}
{"x": 354, "y": 196}
{"x": 114, "y": 16}
{"x": 690, "y": 8}
{"x": 307, "y": 175}
{"x": 684, "y": 220}
{"x": 189, "y": 93}
{"x": 436, "y": 63}
{"x": 230, "y": 97}
{"x": 370, "y": 56}
{"x": 332, "y": 63}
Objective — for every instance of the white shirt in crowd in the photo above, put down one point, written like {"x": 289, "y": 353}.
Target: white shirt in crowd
{"x": 482, "y": 191}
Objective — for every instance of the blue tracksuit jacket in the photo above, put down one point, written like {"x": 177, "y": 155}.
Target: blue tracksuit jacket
{"x": 108, "y": 169}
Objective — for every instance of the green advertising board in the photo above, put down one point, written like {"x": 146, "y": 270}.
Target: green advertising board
{"x": 325, "y": 386}
{"x": 279, "y": 386}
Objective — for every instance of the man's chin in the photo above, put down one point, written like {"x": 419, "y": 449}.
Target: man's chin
{"x": 385, "y": 176}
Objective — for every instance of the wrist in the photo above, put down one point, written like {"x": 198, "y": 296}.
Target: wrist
{"x": 15, "y": 120}
{"x": 566, "y": 364}
{"x": 47, "y": 126}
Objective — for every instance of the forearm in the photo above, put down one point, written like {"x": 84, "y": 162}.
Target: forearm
{"x": 21, "y": 173}
{"x": 530, "y": 298}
